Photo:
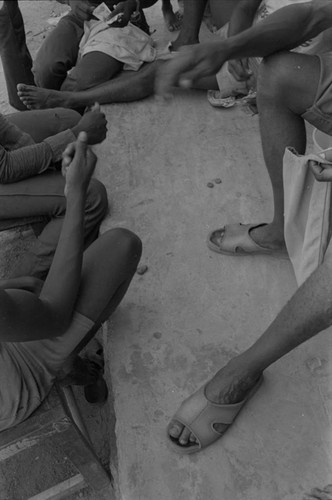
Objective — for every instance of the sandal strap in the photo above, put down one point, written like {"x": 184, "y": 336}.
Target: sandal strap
{"x": 200, "y": 415}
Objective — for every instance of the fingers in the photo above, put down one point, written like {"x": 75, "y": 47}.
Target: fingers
{"x": 169, "y": 74}
{"x": 81, "y": 146}
{"x": 321, "y": 171}
{"x": 68, "y": 155}
{"x": 239, "y": 70}
{"x": 95, "y": 107}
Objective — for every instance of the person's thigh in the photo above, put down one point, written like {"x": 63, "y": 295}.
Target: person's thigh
{"x": 39, "y": 195}
{"x": 44, "y": 123}
{"x": 319, "y": 112}
{"x": 58, "y": 54}
{"x": 290, "y": 78}
{"x": 92, "y": 70}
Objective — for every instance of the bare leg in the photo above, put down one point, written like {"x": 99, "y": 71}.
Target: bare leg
{"x": 173, "y": 20}
{"x": 287, "y": 87}
{"x": 307, "y": 313}
{"x": 92, "y": 70}
{"x": 127, "y": 87}
{"x": 193, "y": 11}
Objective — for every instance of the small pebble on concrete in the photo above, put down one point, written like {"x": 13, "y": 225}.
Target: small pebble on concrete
{"x": 142, "y": 269}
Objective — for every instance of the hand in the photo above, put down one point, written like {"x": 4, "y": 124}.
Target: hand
{"x": 94, "y": 124}
{"x": 81, "y": 9}
{"x": 322, "y": 171}
{"x": 126, "y": 9}
{"x": 239, "y": 69}
{"x": 189, "y": 65}
{"x": 78, "y": 164}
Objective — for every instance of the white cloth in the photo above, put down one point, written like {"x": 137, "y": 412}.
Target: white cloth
{"x": 307, "y": 214}
{"x": 129, "y": 45}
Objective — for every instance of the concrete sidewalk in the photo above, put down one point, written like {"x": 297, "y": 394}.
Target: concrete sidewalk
{"x": 194, "y": 309}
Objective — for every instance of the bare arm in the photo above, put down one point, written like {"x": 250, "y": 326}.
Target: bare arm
{"x": 283, "y": 30}
{"x": 25, "y": 316}
{"x": 23, "y": 162}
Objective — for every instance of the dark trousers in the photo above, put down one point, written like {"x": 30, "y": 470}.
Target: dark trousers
{"x": 43, "y": 195}
{"x": 57, "y": 55}
{"x": 15, "y": 56}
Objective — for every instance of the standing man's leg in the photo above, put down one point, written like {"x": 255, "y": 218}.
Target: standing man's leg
{"x": 282, "y": 125}
{"x": 287, "y": 87}
{"x": 193, "y": 11}
{"x": 15, "y": 56}
{"x": 307, "y": 313}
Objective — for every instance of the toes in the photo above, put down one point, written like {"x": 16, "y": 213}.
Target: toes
{"x": 21, "y": 87}
{"x": 192, "y": 439}
{"x": 175, "y": 429}
{"x": 184, "y": 438}
{"x": 217, "y": 236}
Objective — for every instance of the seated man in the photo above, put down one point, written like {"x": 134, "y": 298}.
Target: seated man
{"x": 31, "y": 184}
{"x": 292, "y": 88}
{"x": 44, "y": 325}
{"x": 96, "y": 60}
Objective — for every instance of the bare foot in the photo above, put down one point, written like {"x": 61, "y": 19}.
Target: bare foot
{"x": 39, "y": 98}
{"x": 230, "y": 385}
{"x": 173, "y": 20}
{"x": 319, "y": 494}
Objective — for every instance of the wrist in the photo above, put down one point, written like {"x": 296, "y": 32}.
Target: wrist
{"x": 75, "y": 193}
{"x": 76, "y": 130}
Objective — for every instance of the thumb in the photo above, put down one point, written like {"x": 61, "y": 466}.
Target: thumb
{"x": 81, "y": 146}
{"x": 95, "y": 107}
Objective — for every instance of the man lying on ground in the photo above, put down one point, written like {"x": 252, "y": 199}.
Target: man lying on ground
{"x": 291, "y": 88}
{"x": 94, "y": 53}
{"x": 45, "y": 325}
{"x": 31, "y": 184}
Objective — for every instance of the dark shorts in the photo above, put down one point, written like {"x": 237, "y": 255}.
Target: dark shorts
{"x": 320, "y": 113}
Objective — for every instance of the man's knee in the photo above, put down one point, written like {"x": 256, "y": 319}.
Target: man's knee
{"x": 274, "y": 76}
{"x": 127, "y": 243}
{"x": 290, "y": 78}
{"x": 58, "y": 53}
{"x": 96, "y": 202}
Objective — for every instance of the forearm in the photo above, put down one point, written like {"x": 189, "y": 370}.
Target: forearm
{"x": 63, "y": 280}
{"x": 32, "y": 160}
{"x": 283, "y": 30}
